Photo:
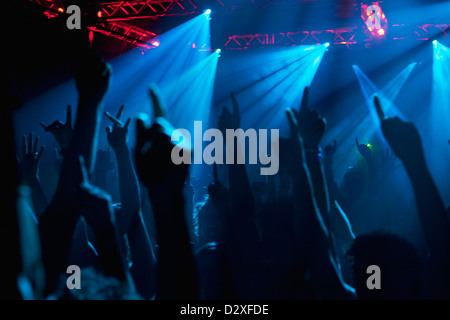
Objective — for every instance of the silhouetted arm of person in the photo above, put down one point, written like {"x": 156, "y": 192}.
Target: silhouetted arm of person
{"x": 57, "y": 223}
{"x": 242, "y": 203}
{"x": 340, "y": 223}
{"x": 164, "y": 180}
{"x": 328, "y": 157}
{"x": 129, "y": 217}
{"x": 95, "y": 205}
{"x": 406, "y": 144}
{"x": 311, "y": 232}
{"x": 28, "y": 167}
{"x": 220, "y": 196}
{"x": 312, "y": 127}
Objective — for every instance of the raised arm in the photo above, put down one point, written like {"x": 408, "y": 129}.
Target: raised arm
{"x": 57, "y": 223}
{"x": 406, "y": 143}
{"x": 312, "y": 234}
{"x": 129, "y": 217}
{"x": 164, "y": 180}
{"x": 129, "y": 188}
{"x": 28, "y": 167}
{"x": 95, "y": 205}
{"x": 340, "y": 223}
{"x": 312, "y": 127}
{"x": 242, "y": 203}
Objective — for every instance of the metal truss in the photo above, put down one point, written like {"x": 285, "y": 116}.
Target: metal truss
{"x": 343, "y": 36}
{"x": 139, "y": 9}
{"x": 129, "y": 33}
{"x": 114, "y": 19}
{"x": 123, "y": 31}
{"x": 339, "y": 36}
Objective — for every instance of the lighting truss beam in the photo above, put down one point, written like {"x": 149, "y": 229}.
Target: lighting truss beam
{"x": 419, "y": 32}
{"x": 124, "y": 31}
{"x": 116, "y": 29}
{"x": 130, "y": 10}
{"x": 280, "y": 39}
{"x": 342, "y": 36}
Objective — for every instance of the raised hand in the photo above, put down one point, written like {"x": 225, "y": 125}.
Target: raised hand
{"x": 402, "y": 136}
{"x": 405, "y": 142}
{"x": 62, "y": 132}
{"x": 118, "y": 134}
{"x": 92, "y": 76}
{"x": 363, "y": 149}
{"x": 154, "y": 164}
{"x": 28, "y": 164}
{"x": 310, "y": 123}
{"x": 230, "y": 120}
{"x": 164, "y": 181}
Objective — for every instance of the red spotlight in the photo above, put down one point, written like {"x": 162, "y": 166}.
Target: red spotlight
{"x": 155, "y": 43}
{"x": 193, "y": 45}
{"x": 99, "y": 14}
{"x": 61, "y": 10}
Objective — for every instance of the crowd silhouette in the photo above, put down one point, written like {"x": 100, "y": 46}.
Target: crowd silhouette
{"x": 298, "y": 238}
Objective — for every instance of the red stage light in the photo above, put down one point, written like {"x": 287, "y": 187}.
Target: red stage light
{"x": 155, "y": 43}
{"x": 99, "y": 14}
{"x": 61, "y": 10}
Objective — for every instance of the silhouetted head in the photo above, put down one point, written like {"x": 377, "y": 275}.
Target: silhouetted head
{"x": 398, "y": 262}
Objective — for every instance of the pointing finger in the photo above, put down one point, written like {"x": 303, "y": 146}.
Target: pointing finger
{"x": 119, "y": 113}
{"x": 304, "y": 106}
{"x": 113, "y": 119}
{"x": 380, "y": 111}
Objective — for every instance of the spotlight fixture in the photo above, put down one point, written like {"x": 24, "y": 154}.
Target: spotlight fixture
{"x": 327, "y": 44}
{"x": 207, "y": 13}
